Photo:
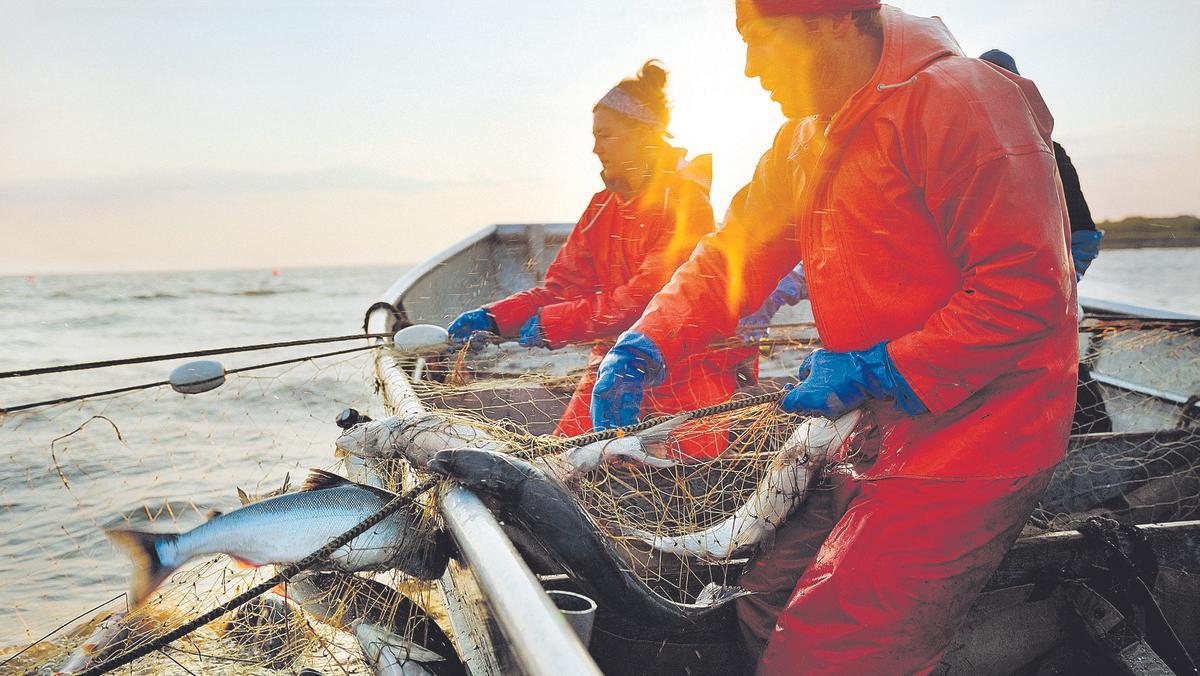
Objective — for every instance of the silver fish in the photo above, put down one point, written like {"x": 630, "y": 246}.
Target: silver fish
{"x": 389, "y": 654}
{"x": 289, "y": 527}
{"x": 417, "y": 439}
{"x": 643, "y": 447}
{"x": 396, "y": 635}
{"x": 109, "y": 635}
{"x": 782, "y": 489}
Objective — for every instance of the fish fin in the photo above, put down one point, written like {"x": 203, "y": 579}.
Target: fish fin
{"x": 243, "y": 563}
{"x": 656, "y": 436}
{"x": 148, "y": 569}
{"x": 714, "y": 594}
{"x": 212, "y": 514}
{"x": 319, "y": 478}
{"x": 244, "y": 497}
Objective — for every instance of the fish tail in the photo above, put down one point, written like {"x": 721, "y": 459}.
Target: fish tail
{"x": 654, "y": 438}
{"x": 714, "y": 594}
{"x": 149, "y": 571}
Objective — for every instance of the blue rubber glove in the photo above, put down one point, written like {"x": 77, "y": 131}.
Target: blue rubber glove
{"x": 470, "y": 322}
{"x": 791, "y": 290}
{"x": 531, "y": 333}
{"x": 633, "y": 363}
{"x": 1085, "y": 246}
{"x": 835, "y": 383}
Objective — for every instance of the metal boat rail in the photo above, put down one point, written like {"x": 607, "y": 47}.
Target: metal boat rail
{"x": 536, "y": 633}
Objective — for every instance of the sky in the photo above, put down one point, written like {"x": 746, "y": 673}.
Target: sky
{"x": 175, "y": 135}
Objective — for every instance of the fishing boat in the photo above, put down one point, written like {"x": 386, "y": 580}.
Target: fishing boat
{"x": 1064, "y": 598}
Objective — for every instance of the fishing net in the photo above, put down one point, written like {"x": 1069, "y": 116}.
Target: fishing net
{"x": 1134, "y": 453}
{"x": 129, "y": 461}
{"x": 154, "y": 459}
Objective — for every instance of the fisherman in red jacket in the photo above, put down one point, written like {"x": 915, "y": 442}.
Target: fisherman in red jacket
{"x": 628, "y": 242}
{"x": 918, "y": 187}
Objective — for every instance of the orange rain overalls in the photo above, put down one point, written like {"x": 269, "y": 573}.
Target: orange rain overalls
{"x": 928, "y": 214}
{"x": 620, "y": 253}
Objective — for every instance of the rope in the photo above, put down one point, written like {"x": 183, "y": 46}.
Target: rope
{"x": 716, "y": 409}
{"x": 20, "y": 373}
{"x": 160, "y": 383}
{"x": 284, "y": 575}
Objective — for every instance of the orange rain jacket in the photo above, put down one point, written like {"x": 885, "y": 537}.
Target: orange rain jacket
{"x": 929, "y": 214}
{"x": 620, "y": 253}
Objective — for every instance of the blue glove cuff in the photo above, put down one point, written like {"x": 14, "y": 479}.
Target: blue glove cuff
{"x": 1085, "y": 247}
{"x": 895, "y": 384}
{"x": 834, "y": 383}
{"x": 645, "y": 355}
{"x": 531, "y": 334}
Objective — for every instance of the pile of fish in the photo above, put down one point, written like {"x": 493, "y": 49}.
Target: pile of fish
{"x": 396, "y": 636}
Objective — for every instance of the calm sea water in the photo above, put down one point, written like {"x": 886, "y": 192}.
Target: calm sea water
{"x": 159, "y": 458}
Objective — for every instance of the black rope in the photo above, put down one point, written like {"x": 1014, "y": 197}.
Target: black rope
{"x": 20, "y": 373}
{"x": 284, "y": 575}
{"x": 716, "y": 409}
{"x": 145, "y": 386}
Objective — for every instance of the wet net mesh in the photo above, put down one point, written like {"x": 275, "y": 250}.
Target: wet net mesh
{"x": 127, "y": 461}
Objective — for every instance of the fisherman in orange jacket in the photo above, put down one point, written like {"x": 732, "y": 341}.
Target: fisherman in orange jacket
{"x": 919, "y": 189}
{"x": 624, "y": 248}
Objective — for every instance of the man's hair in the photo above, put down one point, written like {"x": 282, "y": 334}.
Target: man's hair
{"x": 868, "y": 22}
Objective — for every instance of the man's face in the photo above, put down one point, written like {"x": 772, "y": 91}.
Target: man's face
{"x": 794, "y": 58}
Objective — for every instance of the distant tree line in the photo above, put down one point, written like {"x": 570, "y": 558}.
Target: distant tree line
{"x": 1138, "y": 232}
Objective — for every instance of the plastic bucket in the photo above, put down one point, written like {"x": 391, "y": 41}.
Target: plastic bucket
{"x": 579, "y": 610}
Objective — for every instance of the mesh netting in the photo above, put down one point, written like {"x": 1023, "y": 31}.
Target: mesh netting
{"x": 157, "y": 460}
{"x": 154, "y": 459}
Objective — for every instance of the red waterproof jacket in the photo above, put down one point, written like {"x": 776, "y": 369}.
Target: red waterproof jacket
{"x": 620, "y": 253}
{"x": 929, "y": 214}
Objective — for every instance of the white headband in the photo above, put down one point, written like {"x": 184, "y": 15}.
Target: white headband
{"x": 619, "y": 100}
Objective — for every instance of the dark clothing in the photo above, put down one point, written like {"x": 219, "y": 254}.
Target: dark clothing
{"x": 1077, "y": 208}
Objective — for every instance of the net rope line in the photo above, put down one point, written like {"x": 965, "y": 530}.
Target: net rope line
{"x": 160, "y": 383}
{"x": 392, "y": 505}
{"x": 21, "y": 373}
{"x": 282, "y": 576}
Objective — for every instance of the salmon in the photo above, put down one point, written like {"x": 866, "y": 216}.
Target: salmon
{"x": 287, "y": 528}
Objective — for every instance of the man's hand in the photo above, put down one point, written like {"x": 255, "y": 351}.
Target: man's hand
{"x": 469, "y": 322}
{"x": 791, "y": 290}
{"x": 633, "y": 363}
{"x": 835, "y": 383}
{"x": 531, "y": 333}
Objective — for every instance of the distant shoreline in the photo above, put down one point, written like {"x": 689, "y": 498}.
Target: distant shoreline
{"x": 1147, "y": 232}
